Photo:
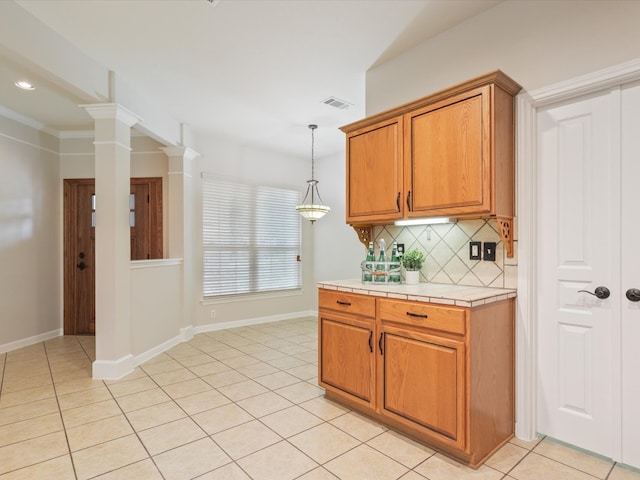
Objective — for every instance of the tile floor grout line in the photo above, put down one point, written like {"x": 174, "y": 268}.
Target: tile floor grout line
{"x": 64, "y": 428}
{"x": 58, "y": 355}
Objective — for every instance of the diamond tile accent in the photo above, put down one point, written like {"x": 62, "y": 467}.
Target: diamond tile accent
{"x": 446, "y": 249}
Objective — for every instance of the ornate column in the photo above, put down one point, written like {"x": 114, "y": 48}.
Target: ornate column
{"x": 181, "y": 225}
{"x": 113, "y": 123}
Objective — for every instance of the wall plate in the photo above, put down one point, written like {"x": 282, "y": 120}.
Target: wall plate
{"x": 489, "y": 252}
{"x": 475, "y": 252}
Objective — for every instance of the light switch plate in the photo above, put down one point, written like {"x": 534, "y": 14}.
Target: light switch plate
{"x": 489, "y": 253}
{"x": 474, "y": 250}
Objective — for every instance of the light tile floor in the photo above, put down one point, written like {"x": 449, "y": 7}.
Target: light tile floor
{"x": 236, "y": 404}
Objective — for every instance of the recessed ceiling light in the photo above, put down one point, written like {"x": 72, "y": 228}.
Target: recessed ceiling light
{"x": 24, "y": 85}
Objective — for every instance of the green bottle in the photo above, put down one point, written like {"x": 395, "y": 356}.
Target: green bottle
{"x": 381, "y": 265}
{"x": 394, "y": 266}
{"x": 368, "y": 264}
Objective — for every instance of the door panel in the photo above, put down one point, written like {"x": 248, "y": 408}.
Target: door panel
{"x": 448, "y": 157}
{"x": 79, "y": 241}
{"x": 630, "y": 328}
{"x": 347, "y": 356}
{"x": 79, "y": 255}
{"x": 375, "y": 158}
{"x": 423, "y": 381}
{"x": 574, "y": 234}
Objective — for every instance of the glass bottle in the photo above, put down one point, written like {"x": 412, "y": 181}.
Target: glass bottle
{"x": 381, "y": 265}
{"x": 394, "y": 266}
{"x": 368, "y": 264}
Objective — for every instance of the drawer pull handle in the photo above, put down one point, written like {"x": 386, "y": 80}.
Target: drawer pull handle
{"x": 370, "y": 341}
{"x": 346, "y": 304}
{"x": 418, "y": 315}
{"x": 380, "y": 343}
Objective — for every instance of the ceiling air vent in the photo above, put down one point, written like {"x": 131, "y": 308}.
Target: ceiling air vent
{"x": 336, "y": 102}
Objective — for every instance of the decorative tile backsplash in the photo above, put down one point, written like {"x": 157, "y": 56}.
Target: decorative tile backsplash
{"x": 446, "y": 249}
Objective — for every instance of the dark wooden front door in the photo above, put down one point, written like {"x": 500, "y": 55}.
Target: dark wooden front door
{"x": 79, "y": 243}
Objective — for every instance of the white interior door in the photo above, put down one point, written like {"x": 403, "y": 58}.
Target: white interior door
{"x": 630, "y": 225}
{"x": 576, "y": 223}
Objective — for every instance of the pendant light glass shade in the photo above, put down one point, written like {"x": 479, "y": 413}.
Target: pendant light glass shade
{"x": 309, "y": 209}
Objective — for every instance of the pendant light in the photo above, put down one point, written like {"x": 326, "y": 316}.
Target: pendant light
{"x": 311, "y": 210}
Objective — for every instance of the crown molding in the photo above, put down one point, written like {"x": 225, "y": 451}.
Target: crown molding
{"x": 28, "y": 121}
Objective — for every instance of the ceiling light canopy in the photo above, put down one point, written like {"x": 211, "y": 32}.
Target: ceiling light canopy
{"x": 309, "y": 209}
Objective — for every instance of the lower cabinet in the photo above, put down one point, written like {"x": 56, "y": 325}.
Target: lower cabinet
{"x": 346, "y": 334}
{"x": 422, "y": 383}
{"x": 444, "y": 375}
{"x": 346, "y": 356}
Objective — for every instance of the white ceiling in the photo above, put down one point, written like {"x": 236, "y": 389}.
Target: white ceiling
{"x": 255, "y": 70}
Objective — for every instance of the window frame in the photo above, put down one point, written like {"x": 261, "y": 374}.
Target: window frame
{"x": 245, "y": 209}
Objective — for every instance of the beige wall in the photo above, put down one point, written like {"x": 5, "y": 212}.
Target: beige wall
{"x": 238, "y": 161}
{"x": 537, "y": 43}
{"x": 30, "y": 235}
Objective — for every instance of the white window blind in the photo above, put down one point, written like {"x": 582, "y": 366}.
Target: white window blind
{"x": 251, "y": 238}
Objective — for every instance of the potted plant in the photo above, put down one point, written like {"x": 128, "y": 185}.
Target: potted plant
{"x": 412, "y": 261}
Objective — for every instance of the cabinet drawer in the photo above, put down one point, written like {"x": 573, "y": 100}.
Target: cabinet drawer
{"x": 347, "y": 302}
{"x": 447, "y": 319}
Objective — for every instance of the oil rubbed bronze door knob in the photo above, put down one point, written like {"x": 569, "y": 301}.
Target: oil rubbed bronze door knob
{"x": 81, "y": 266}
{"x": 633, "y": 294}
{"x": 600, "y": 292}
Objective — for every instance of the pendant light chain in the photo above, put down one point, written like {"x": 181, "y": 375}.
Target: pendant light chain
{"x": 312, "y": 127}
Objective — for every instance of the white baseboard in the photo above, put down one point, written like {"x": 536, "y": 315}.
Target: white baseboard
{"x": 25, "y": 342}
{"x": 113, "y": 369}
{"x": 253, "y": 321}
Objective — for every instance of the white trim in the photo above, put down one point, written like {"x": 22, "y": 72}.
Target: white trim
{"x": 113, "y": 142}
{"x": 116, "y": 369}
{"x": 101, "y": 111}
{"x": 27, "y": 121}
{"x": 158, "y": 349}
{"x": 254, "y": 321}
{"x": 113, "y": 369}
{"x": 30, "y": 144}
{"x": 527, "y": 179}
{"x": 25, "y": 342}
{"x": 64, "y": 134}
{"x": 158, "y": 262}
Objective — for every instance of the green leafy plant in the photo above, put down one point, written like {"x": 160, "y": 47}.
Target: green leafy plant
{"x": 413, "y": 260}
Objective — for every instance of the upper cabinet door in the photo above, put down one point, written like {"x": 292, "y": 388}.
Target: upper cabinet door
{"x": 375, "y": 173}
{"x": 448, "y": 156}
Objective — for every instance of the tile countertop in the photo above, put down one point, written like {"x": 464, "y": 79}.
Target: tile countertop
{"x": 460, "y": 295}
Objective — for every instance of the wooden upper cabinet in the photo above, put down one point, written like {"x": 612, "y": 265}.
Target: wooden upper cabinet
{"x": 374, "y": 172}
{"x": 448, "y": 157}
{"x": 456, "y": 156}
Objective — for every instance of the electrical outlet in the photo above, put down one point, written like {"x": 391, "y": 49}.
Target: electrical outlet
{"x": 489, "y": 253}
{"x": 475, "y": 250}
{"x": 400, "y": 249}
{"x": 213, "y": 314}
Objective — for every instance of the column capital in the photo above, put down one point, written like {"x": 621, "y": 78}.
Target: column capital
{"x": 180, "y": 151}
{"x": 101, "y": 111}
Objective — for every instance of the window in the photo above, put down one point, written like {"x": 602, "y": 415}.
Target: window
{"x": 251, "y": 238}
